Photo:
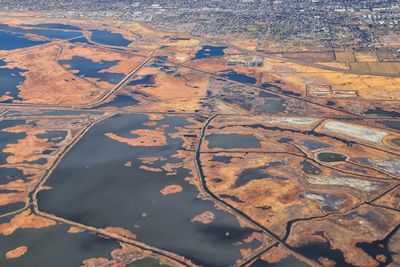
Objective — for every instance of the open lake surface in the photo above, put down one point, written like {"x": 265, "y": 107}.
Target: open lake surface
{"x": 10, "y": 41}
{"x": 92, "y": 186}
{"x": 90, "y": 69}
{"x": 106, "y": 37}
{"x": 53, "y": 246}
{"x": 210, "y": 51}
{"x": 232, "y": 141}
{"x": 9, "y": 81}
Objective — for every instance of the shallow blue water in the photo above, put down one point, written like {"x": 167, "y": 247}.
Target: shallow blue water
{"x": 239, "y": 77}
{"x": 82, "y": 39}
{"x": 9, "y": 80}
{"x": 111, "y": 194}
{"x": 91, "y": 69}
{"x": 144, "y": 81}
{"x": 53, "y": 246}
{"x": 8, "y": 137}
{"x": 232, "y": 141}
{"x": 109, "y": 38}
{"x": 120, "y": 101}
{"x": 10, "y": 41}
{"x": 208, "y": 51}
{"x": 54, "y": 26}
{"x": 57, "y": 34}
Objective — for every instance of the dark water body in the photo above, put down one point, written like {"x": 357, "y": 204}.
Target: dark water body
{"x": 144, "y": 81}
{"x": 259, "y": 173}
{"x": 2, "y": 63}
{"x": 106, "y": 37}
{"x": 10, "y": 208}
{"x": 290, "y": 93}
{"x": 231, "y": 197}
{"x": 40, "y": 161}
{"x": 391, "y": 124}
{"x": 290, "y": 261}
{"x": 53, "y": 246}
{"x": 210, "y": 51}
{"x": 3, "y": 191}
{"x": 9, "y": 81}
{"x": 110, "y": 194}
{"x": 379, "y": 247}
{"x": 147, "y": 262}
{"x": 47, "y": 151}
{"x": 82, "y": 39}
{"x": 8, "y": 138}
{"x": 223, "y": 159}
{"x": 314, "y": 145}
{"x": 330, "y": 103}
{"x": 285, "y": 140}
{"x": 288, "y": 130}
{"x": 54, "y": 136}
{"x": 216, "y": 180}
{"x": 90, "y": 69}
{"x": 239, "y": 77}
{"x": 139, "y": 93}
{"x": 270, "y": 86}
{"x": 56, "y": 34}
{"x": 70, "y": 112}
{"x": 383, "y": 113}
{"x": 8, "y": 175}
{"x": 309, "y": 168}
{"x": 54, "y": 26}
{"x": 232, "y": 141}
{"x": 10, "y": 41}
{"x": 120, "y": 101}
{"x": 50, "y": 112}
{"x": 316, "y": 250}
{"x": 331, "y": 157}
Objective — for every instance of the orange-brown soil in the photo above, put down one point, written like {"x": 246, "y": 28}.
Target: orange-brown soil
{"x": 75, "y": 230}
{"x": 275, "y": 254}
{"x": 146, "y": 137}
{"x": 126, "y": 62}
{"x": 205, "y": 217}
{"x": 9, "y": 198}
{"x": 287, "y": 182}
{"x": 16, "y": 253}
{"x": 25, "y": 220}
{"x": 343, "y": 232}
{"x": 391, "y": 200}
{"x": 182, "y": 89}
{"x": 27, "y": 149}
{"x": 150, "y": 169}
{"x": 277, "y": 198}
{"x": 119, "y": 257}
{"x": 45, "y": 77}
{"x": 171, "y": 189}
{"x": 120, "y": 231}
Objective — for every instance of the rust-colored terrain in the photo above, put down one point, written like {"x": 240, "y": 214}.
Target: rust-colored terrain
{"x": 124, "y": 145}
